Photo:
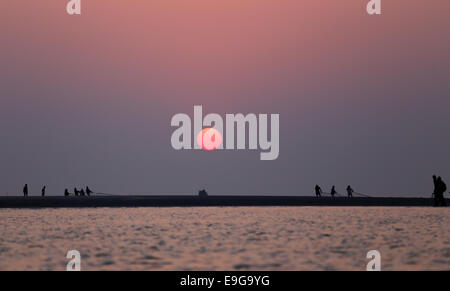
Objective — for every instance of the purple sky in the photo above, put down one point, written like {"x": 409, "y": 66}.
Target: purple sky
{"x": 87, "y": 100}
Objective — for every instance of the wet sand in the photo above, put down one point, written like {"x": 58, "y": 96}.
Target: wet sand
{"x": 226, "y": 238}
{"x": 193, "y": 201}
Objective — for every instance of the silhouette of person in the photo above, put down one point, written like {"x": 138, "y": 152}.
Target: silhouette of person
{"x": 88, "y": 191}
{"x": 43, "y": 191}
{"x": 350, "y": 191}
{"x": 25, "y": 190}
{"x": 441, "y": 187}
{"x": 318, "y": 191}
{"x": 333, "y": 191}
{"x": 82, "y": 192}
{"x": 66, "y": 192}
{"x": 202, "y": 193}
{"x": 435, "y": 190}
{"x": 75, "y": 191}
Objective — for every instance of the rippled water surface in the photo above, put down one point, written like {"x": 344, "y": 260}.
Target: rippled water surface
{"x": 241, "y": 238}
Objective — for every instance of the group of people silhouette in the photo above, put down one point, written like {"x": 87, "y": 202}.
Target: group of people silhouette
{"x": 438, "y": 194}
{"x": 80, "y": 192}
{"x": 333, "y": 192}
{"x": 76, "y": 192}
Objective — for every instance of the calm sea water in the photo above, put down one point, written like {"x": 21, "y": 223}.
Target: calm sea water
{"x": 241, "y": 238}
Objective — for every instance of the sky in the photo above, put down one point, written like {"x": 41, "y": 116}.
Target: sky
{"x": 88, "y": 99}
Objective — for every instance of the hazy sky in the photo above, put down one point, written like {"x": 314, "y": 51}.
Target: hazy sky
{"x": 87, "y": 100}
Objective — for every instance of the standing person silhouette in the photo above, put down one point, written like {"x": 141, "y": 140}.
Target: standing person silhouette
{"x": 441, "y": 187}
{"x": 333, "y": 191}
{"x": 350, "y": 191}
{"x": 435, "y": 190}
{"x": 66, "y": 192}
{"x": 318, "y": 191}
{"x": 25, "y": 190}
{"x": 43, "y": 191}
{"x": 88, "y": 191}
{"x": 82, "y": 192}
{"x": 75, "y": 191}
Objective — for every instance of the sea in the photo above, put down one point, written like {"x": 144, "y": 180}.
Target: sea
{"x": 226, "y": 238}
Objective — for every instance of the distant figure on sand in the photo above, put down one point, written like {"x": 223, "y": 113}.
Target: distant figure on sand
{"x": 202, "y": 193}
{"x": 435, "y": 187}
{"x": 82, "y": 192}
{"x": 333, "y": 191}
{"x": 318, "y": 191}
{"x": 439, "y": 189}
{"x": 88, "y": 191}
{"x": 43, "y": 190}
{"x": 75, "y": 191}
{"x": 25, "y": 190}
{"x": 66, "y": 192}
{"x": 350, "y": 191}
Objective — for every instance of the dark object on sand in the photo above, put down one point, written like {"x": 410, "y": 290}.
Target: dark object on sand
{"x": 203, "y": 193}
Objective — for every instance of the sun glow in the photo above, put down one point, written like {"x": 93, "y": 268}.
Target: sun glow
{"x": 209, "y": 139}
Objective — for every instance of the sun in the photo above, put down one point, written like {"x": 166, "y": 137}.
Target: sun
{"x": 209, "y": 139}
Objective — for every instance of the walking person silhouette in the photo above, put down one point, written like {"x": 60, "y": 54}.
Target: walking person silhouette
{"x": 333, "y": 191}
{"x": 88, "y": 191}
{"x": 25, "y": 190}
{"x": 350, "y": 191}
{"x": 318, "y": 191}
{"x": 43, "y": 191}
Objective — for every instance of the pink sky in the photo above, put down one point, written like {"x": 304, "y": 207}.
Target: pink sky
{"x": 88, "y": 99}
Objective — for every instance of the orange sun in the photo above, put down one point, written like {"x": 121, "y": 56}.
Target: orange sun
{"x": 209, "y": 139}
